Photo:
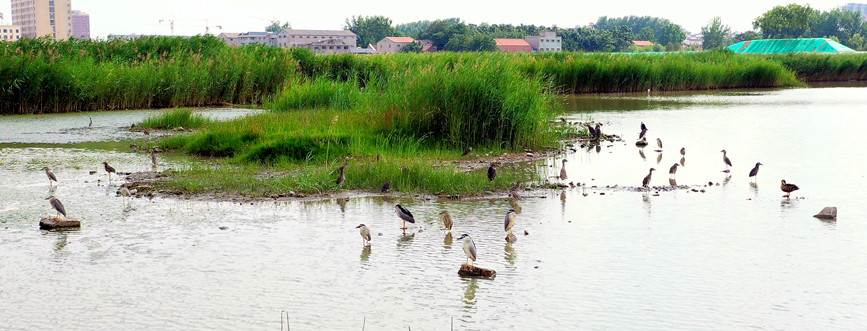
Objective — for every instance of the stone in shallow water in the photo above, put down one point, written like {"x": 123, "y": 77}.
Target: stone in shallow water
{"x": 49, "y": 222}
{"x": 474, "y": 271}
{"x": 827, "y": 213}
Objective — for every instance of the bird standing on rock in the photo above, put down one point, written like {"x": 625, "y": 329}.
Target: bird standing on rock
{"x": 788, "y": 188}
{"x": 682, "y": 151}
{"x": 598, "y": 134}
{"x": 659, "y": 143}
{"x": 726, "y": 160}
{"x": 60, "y": 210}
{"x": 646, "y": 182}
{"x": 492, "y": 171}
{"x": 755, "y": 170}
{"x": 50, "y": 175}
{"x": 514, "y": 191}
{"x": 511, "y": 218}
{"x": 643, "y": 131}
{"x": 469, "y": 247}
{"x": 672, "y": 170}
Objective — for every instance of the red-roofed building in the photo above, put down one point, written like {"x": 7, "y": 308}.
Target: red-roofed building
{"x": 392, "y": 44}
{"x": 513, "y": 45}
{"x": 642, "y": 43}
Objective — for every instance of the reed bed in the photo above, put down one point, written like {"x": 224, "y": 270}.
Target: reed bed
{"x": 826, "y": 67}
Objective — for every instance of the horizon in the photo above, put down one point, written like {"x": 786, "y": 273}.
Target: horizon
{"x": 191, "y": 17}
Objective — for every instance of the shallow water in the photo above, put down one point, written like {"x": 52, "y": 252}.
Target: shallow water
{"x": 737, "y": 256}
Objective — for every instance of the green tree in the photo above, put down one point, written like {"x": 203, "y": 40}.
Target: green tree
{"x": 413, "y": 47}
{"x": 647, "y": 34}
{"x": 839, "y": 23}
{"x": 636, "y": 24}
{"x": 715, "y": 34}
{"x": 744, "y": 36}
{"x": 586, "y": 40}
{"x": 440, "y": 31}
{"x": 275, "y": 27}
{"x": 471, "y": 43}
{"x": 621, "y": 37}
{"x": 672, "y": 37}
{"x": 371, "y": 29}
{"x": 791, "y": 21}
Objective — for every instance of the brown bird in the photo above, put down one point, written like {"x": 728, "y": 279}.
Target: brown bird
{"x": 643, "y": 131}
{"x": 109, "y": 169}
{"x": 50, "y": 175}
{"x": 447, "y": 219}
{"x": 492, "y": 171}
{"x": 659, "y": 143}
{"x": 365, "y": 233}
{"x": 788, "y": 188}
{"x": 672, "y": 170}
{"x": 563, "y": 171}
{"x": 726, "y": 160}
{"x": 467, "y": 151}
{"x": 755, "y": 170}
{"x": 386, "y": 187}
{"x": 591, "y": 130}
{"x": 514, "y": 191}
{"x": 641, "y": 142}
{"x": 342, "y": 177}
{"x": 683, "y": 151}
{"x": 153, "y": 158}
{"x": 646, "y": 182}
{"x": 598, "y": 134}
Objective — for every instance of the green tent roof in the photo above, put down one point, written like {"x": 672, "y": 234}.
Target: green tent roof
{"x": 782, "y": 46}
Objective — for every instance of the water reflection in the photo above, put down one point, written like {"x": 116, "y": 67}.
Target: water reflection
{"x": 448, "y": 240}
{"x": 727, "y": 179}
{"x": 598, "y": 148}
{"x": 645, "y": 198}
{"x": 658, "y": 158}
{"x": 365, "y": 253}
{"x": 754, "y": 187}
{"x": 683, "y": 161}
{"x": 672, "y": 182}
{"x": 342, "y": 203}
{"x": 641, "y": 153}
{"x": 510, "y": 253}
{"x": 405, "y": 239}
{"x": 515, "y": 205}
{"x": 470, "y": 293}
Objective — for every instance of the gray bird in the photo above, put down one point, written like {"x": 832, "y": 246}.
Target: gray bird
{"x": 342, "y": 177}
{"x": 469, "y": 247}
{"x": 646, "y": 182}
{"x": 643, "y": 131}
{"x": 598, "y": 133}
{"x": 492, "y": 172}
{"x": 91, "y": 122}
{"x": 755, "y": 170}
{"x": 386, "y": 187}
{"x": 447, "y": 219}
{"x": 109, "y": 169}
{"x": 153, "y": 158}
{"x": 563, "y": 171}
{"x": 511, "y": 218}
{"x": 659, "y": 143}
{"x": 404, "y": 214}
{"x": 672, "y": 170}
{"x": 514, "y": 191}
{"x": 50, "y": 175}
{"x": 59, "y": 206}
{"x": 726, "y": 160}
{"x": 591, "y": 130}
{"x": 467, "y": 151}
{"x": 365, "y": 233}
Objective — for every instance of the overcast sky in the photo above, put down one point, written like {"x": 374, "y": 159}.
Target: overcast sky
{"x": 122, "y": 17}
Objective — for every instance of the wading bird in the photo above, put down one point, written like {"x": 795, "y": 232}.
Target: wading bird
{"x": 447, "y": 219}
{"x": 563, "y": 171}
{"x": 153, "y": 158}
{"x": 598, "y": 134}
{"x": 672, "y": 170}
{"x": 514, "y": 191}
{"x": 404, "y": 214}
{"x": 788, "y": 188}
{"x": 492, "y": 171}
{"x": 342, "y": 177}
{"x": 109, "y": 169}
{"x": 469, "y": 247}
{"x": 124, "y": 192}
{"x": 91, "y": 122}
{"x": 641, "y": 142}
{"x": 365, "y": 233}
{"x": 659, "y": 143}
{"x": 50, "y": 175}
{"x": 646, "y": 182}
{"x": 726, "y": 160}
{"x": 511, "y": 218}
{"x": 643, "y": 131}
{"x": 682, "y": 151}
{"x": 755, "y": 170}
{"x": 386, "y": 187}
{"x": 467, "y": 151}
{"x": 591, "y": 130}
{"x": 59, "y": 206}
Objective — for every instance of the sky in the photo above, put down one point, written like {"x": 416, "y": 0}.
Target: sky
{"x": 192, "y": 16}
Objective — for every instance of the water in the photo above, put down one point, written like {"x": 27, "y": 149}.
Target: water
{"x": 737, "y": 256}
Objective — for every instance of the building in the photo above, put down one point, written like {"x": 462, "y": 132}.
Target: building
{"x": 248, "y": 38}
{"x": 642, "y": 43}
{"x": 390, "y": 45}
{"x": 80, "y": 24}
{"x": 858, "y": 7}
{"x": 10, "y": 32}
{"x": 513, "y": 45}
{"x": 43, "y": 18}
{"x": 546, "y": 42}
{"x": 305, "y": 38}
{"x": 329, "y": 46}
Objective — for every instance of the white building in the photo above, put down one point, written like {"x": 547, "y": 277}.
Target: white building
{"x": 546, "y": 42}
{"x": 248, "y": 38}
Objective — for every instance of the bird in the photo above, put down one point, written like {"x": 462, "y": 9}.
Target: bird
{"x": 153, "y": 158}
{"x": 591, "y": 130}
{"x": 672, "y": 170}
{"x": 146, "y": 131}
{"x": 91, "y": 122}
{"x": 598, "y": 133}
{"x": 563, "y": 171}
{"x": 788, "y": 188}
{"x": 59, "y": 206}
{"x": 659, "y": 143}
{"x": 50, "y": 175}
{"x": 643, "y": 131}
{"x": 123, "y": 191}
{"x": 109, "y": 169}
{"x": 683, "y": 151}
{"x": 467, "y": 151}
{"x": 386, "y": 187}
{"x": 726, "y": 159}
{"x": 378, "y": 156}
{"x": 365, "y": 233}
{"x": 646, "y": 182}
{"x": 755, "y": 170}
{"x": 492, "y": 172}
{"x": 514, "y": 191}
{"x": 342, "y": 177}
{"x": 515, "y": 187}
{"x": 511, "y": 217}
{"x": 404, "y": 214}
{"x": 469, "y": 247}
{"x": 641, "y": 142}
{"x": 447, "y": 219}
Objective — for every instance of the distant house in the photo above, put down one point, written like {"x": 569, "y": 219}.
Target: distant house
{"x": 545, "y": 42}
{"x": 513, "y": 45}
{"x": 428, "y": 46}
{"x": 642, "y": 43}
{"x": 330, "y": 46}
{"x": 389, "y": 45}
{"x": 362, "y": 51}
{"x": 307, "y": 38}
{"x": 248, "y": 38}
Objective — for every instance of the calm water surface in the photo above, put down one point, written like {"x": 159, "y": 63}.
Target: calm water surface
{"x": 737, "y": 256}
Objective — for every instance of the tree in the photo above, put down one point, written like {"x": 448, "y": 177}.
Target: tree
{"x": 622, "y": 38}
{"x": 275, "y": 27}
{"x": 636, "y": 24}
{"x": 745, "y": 36}
{"x": 586, "y": 39}
{"x": 471, "y": 43}
{"x": 791, "y": 21}
{"x": 440, "y": 31}
{"x": 647, "y": 34}
{"x": 371, "y": 29}
{"x": 672, "y": 37}
{"x": 413, "y": 47}
{"x": 839, "y": 23}
{"x": 715, "y": 34}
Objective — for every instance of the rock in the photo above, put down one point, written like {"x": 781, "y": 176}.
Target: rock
{"x": 827, "y": 213}
{"x": 467, "y": 270}
{"x": 511, "y": 237}
{"x": 49, "y": 223}
{"x": 527, "y": 233}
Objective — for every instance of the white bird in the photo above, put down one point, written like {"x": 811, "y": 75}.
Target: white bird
{"x": 469, "y": 247}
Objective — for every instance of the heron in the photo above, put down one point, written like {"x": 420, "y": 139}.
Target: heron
{"x": 659, "y": 143}
{"x": 153, "y": 158}
{"x": 59, "y": 206}
{"x": 598, "y": 133}
{"x": 646, "y": 182}
{"x": 682, "y": 151}
{"x": 378, "y": 156}
{"x": 469, "y": 247}
{"x": 641, "y": 142}
{"x": 755, "y": 170}
{"x": 365, "y": 233}
{"x": 563, "y": 171}
{"x": 386, "y": 187}
{"x": 123, "y": 191}
{"x": 109, "y": 169}
{"x": 788, "y": 188}
{"x": 91, "y": 122}
{"x": 467, "y": 151}
{"x": 50, "y": 175}
{"x": 146, "y": 131}
{"x": 591, "y": 130}
{"x": 511, "y": 218}
{"x": 672, "y": 170}
{"x": 342, "y": 177}
{"x": 726, "y": 160}
{"x": 447, "y": 219}
{"x": 643, "y": 131}
{"x": 492, "y": 171}
{"x": 404, "y": 214}
{"x": 514, "y": 191}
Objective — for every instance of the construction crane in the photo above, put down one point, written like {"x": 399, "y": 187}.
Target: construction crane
{"x": 172, "y": 24}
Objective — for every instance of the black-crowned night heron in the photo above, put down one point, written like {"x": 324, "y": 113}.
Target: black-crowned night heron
{"x": 641, "y": 142}
{"x": 563, "y": 170}
{"x": 726, "y": 160}
{"x": 492, "y": 171}
{"x": 659, "y": 143}
{"x": 646, "y": 182}
{"x": 788, "y": 188}
{"x": 91, "y": 122}
{"x": 59, "y": 206}
{"x": 467, "y": 151}
{"x": 50, "y": 175}
{"x": 447, "y": 219}
{"x": 683, "y": 151}
{"x": 109, "y": 169}
{"x": 153, "y": 158}
{"x": 342, "y": 177}
{"x": 365, "y": 233}
{"x": 591, "y": 130}
{"x": 511, "y": 218}
{"x": 514, "y": 191}
{"x": 124, "y": 192}
{"x": 643, "y": 131}
{"x": 755, "y": 170}
{"x": 598, "y": 133}
{"x": 404, "y": 214}
{"x": 386, "y": 187}
{"x": 672, "y": 170}
{"x": 469, "y": 247}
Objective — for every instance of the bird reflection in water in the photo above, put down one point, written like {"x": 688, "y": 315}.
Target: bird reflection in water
{"x": 641, "y": 153}
{"x": 342, "y": 203}
{"x": 683, "y": 161}
{"x": 672, "y": 182}
{"x": 470, "y": 292}
{"x": 365, "y": 253}
{"x": 727, "y": 179}
{"x": 61, "y": 242}
{"x": 448, "y": 240}
{"x": 405, "y": 239}
{"x": 598, "y": 148}
{"x": 658, "y": 158}
{"x": 754, "y": 187}
{"x": 645, "y": 198}
{"x": 511, "y": 255}
{"x": 515, "y": 205}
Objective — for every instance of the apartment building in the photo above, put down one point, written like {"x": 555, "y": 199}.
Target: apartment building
{"x": 80, "y": 24}
{"x": 39, "y": 18}
{"x": 248, "y": 38}
{"x": 307, "y": 38}
{"x": 10, "y": 32}
{"x": 545, "y": 42}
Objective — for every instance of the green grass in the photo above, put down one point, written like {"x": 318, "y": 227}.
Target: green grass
{"x": 176, "y": 118}
{"x": 826, "y": 67}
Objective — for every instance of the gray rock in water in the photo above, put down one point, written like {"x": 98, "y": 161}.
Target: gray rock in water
{"x": 827, "y": 213}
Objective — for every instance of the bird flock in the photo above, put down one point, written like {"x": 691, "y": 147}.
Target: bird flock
{"x": 55, "y": 203}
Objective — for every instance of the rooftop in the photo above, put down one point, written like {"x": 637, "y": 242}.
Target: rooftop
{"x": 511, "y": 42}
{"x": 401, "y": 39}
{"x": 297, "y": 32}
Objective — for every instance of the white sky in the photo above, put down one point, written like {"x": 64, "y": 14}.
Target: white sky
{"x": 122, "y": 17}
